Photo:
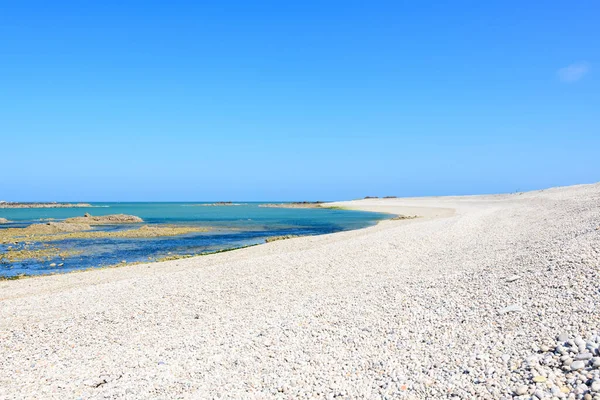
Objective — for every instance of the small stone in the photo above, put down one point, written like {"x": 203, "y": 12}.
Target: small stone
{"x": 595, "y": 386}
{"x": 539, "y": 379}
{"x": 577, "y": 365}
{"x": 563, "y": 337}
{"x": 539, "y": 394}
{"x": 555, "y": 391}
{"x": 583, "y": 356}
{"x": 521, "y": 390}
{"x": 513, "y": 278}
{"x": 53, "y": 265}
{"x": 544, "y": 348}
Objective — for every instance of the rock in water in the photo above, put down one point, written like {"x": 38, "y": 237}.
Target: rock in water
{"x": 105, "y": 219}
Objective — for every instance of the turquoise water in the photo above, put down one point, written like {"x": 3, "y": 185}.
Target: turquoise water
{"x": 231, "y": 227}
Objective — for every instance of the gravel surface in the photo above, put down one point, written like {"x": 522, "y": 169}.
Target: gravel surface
{"x": 486, "y": 297}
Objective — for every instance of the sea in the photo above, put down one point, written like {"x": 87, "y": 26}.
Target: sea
{"x": 230, "y": 227}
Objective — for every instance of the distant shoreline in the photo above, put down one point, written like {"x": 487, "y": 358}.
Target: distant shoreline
{"x": 6, "y": 204}
{"x": 217, "y": 204}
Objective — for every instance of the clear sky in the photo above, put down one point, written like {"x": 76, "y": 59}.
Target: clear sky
{"x": 304, "y": 100}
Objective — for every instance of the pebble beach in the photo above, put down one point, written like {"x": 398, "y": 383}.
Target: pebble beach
{"x": 480, "y": 297}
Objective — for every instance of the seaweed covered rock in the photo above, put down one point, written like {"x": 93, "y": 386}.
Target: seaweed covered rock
{"x": 40, "y": 230}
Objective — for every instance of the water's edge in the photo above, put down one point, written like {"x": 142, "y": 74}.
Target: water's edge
{"x": 231, "y": 230}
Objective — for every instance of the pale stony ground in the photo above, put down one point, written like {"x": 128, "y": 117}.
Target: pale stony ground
{"x": 466, "y": 302}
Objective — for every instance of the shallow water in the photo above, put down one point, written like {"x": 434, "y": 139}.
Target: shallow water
{"x": 231, "y": 227}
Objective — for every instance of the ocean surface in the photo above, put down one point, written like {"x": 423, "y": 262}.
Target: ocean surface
{"x": 230, "y": 227}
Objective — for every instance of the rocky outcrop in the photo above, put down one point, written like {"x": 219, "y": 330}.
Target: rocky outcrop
{"x": 4, "y": 221}
{"x": 105, "y": 219}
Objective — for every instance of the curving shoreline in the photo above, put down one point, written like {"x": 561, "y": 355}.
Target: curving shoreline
{"x": 402, "y": 309}
{"x": 85, "y": 228}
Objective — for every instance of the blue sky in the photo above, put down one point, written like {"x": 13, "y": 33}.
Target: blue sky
{"x": 237, "y": 100}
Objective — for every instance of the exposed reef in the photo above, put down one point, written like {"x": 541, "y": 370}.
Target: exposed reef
{"x": 33, "y": 231}
{"x": 12, "y": 255}
{"x": 4, "y": 221}
{"x": 55, "y": 231}
{"x": 105, "y": 219}
{"x": 145, "y": 231}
